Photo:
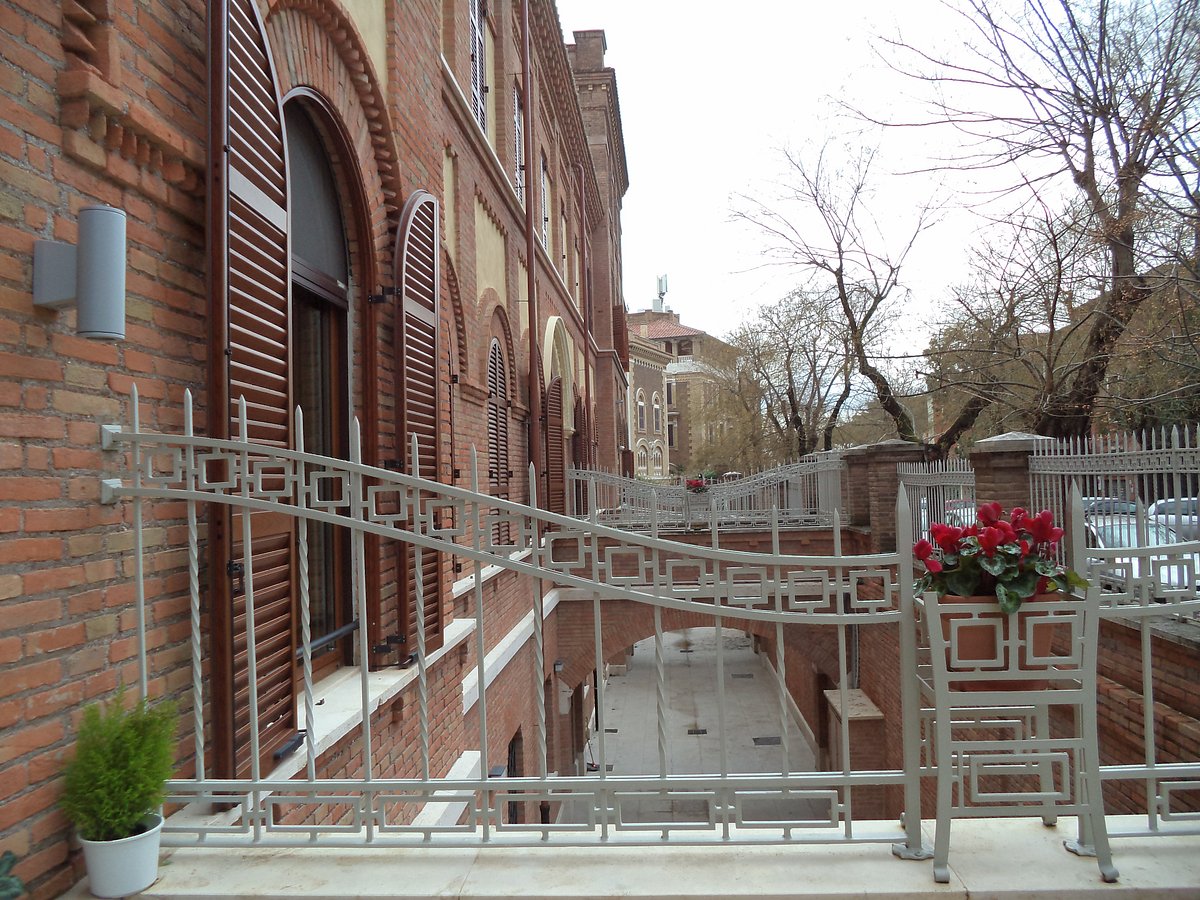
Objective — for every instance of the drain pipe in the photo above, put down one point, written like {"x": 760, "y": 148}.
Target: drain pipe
{"x": 536, "y": 440}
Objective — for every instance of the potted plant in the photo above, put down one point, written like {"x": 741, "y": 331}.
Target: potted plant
{"x": 11, "y": 886}
{"x": 114, "y": 787}
{"x": 1008, "y": 561}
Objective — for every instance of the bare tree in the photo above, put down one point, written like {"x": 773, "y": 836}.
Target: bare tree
{"x": 823, "y": 226}
{"x": 796, "y": 353}
{"x": 1105, "y": 95}
{"x": 1016, "y": 331}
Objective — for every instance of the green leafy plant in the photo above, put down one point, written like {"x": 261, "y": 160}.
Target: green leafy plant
{"x": 1012, "y": 559}
{"x": 11, "y": 886}
{"x": 123, "y": 757}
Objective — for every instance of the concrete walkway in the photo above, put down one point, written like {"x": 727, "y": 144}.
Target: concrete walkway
{"x": 753, "y": 737}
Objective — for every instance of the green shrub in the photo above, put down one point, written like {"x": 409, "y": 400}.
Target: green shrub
{"x": 122, "y": 759}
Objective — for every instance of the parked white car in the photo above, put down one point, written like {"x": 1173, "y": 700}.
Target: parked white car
{"x": 1175, "y": 571}
{"x": 1179, "y": 513}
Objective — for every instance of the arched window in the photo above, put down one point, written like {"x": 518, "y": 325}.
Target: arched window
{"x": 320, "y": 273}
{"x": 656, "y": 465}
{"x": 643, "y": 459}
{"x": 497, "y": 425}
{"x": 641, "y": 411}
{"x": 657, "y": 413}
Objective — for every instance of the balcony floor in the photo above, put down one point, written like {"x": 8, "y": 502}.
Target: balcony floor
{"x": 990, "y": 858}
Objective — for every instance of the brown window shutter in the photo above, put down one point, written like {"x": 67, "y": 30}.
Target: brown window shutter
{"x": 556, "y": 469}
{"x": 417, "y": 266}
{"x": 479, "y": 85}
{"x": 499, "y": 474}
{"x": 250, "y": 354}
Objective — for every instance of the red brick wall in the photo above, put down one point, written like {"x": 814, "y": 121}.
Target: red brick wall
{"x": 125, "y": 124}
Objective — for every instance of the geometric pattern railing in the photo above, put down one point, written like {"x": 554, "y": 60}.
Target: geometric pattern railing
{"x": 804, "y": 493}
{"x": 938, "y": 491}
{"x": 576, "y": 561}
{"x": 566, "y": 560}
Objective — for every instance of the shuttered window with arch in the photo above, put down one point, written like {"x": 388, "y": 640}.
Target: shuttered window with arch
{"x": 556, "y": 461}
{"x": 418, "y": 280}
{"x": 499, "y": 474}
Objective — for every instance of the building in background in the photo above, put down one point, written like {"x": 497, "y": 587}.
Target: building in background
{"x": 695, "y": 422}
{"x": 648, "y": 414}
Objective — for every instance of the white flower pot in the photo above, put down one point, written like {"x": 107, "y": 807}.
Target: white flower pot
{"x": 124, "y": 867}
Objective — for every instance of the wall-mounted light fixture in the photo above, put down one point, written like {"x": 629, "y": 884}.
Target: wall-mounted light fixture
{"x": 89, "y": 276}
{"x": 559, "y": 665}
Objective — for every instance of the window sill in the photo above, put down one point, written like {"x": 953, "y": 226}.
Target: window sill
{"x": 338, "y": 703}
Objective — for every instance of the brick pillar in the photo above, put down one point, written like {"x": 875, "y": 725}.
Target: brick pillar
{"x": 873, "y": 484}
{"x": 1001, "y": 466}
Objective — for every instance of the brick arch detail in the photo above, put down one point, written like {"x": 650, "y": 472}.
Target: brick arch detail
{"x": 499, "y": 327}
{"x": 456, "y": 310}
{"x": 623, "y": 624}
{"x": 335, "y": 63}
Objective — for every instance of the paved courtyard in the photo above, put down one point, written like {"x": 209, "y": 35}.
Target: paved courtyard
{"x": 752, "y": 738}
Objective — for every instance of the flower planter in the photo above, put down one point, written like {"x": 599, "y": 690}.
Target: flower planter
{"x": 979, "y": 643}
{"x": 124, "y": 867}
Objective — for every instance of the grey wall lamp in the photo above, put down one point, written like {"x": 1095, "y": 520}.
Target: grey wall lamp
{"x": 90, "y": 275}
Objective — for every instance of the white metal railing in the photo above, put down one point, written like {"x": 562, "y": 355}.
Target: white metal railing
{"x": 938, "y": 491}
{"x": 566, "y": 561}
{"x": 587, "y": 560}
{"x": 804, "y": 493}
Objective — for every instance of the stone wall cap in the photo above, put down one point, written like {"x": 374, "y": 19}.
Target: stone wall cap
{"x": 859, "y": 707}
{"x": 890, "y": 444}
{"x": 1009, "y": 442}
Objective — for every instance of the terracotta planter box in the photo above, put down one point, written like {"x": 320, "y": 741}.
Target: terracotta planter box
{"x": 979, "y": 642}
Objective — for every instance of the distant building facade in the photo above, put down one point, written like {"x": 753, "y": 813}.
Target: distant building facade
{"x": 694, "y": 424}
{"x": 648, "y": 418}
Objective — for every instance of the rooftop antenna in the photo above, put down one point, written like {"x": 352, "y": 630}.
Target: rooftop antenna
{"x": 662, "y": 290}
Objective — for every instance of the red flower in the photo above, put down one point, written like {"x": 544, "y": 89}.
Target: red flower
{"x": 947, "y": 536}
{"x": 990, "y": 513}
{"x": 923, "y": 550}
{"x": 1007, "y": 530}
{"x": 1041, "y": 528}
{"x": 1018, "y": 518}
{"x": 989, "y": 539}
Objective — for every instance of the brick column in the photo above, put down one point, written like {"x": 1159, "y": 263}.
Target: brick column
{"x": 872, "y": 485}
{"x": 1001, "y": 466}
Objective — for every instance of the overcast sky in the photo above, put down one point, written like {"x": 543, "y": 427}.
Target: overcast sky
{"x": 709, "y": 94}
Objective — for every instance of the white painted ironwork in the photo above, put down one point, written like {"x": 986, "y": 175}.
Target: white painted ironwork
{"x": 802, "y": 493}
{"x": 576, "y": 559}
{"x": 990, "y": 717}
{"x": 938, "y": 491}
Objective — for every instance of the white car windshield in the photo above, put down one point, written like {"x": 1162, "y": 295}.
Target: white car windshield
{"x": 1124, "y": 534}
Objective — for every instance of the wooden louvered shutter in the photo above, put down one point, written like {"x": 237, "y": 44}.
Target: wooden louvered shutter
{"x": 417, "y": 266}
{"x": 478, "y": 64}
{"x": 250, "y": 277}
{"x": 499, "y": 474}
{"x": 556, "y": 469}
{"x": 518, "y": 146}
{"x": 497, "y": 413}
{"x": 545, "y": 207}
{"x": 580, "y": 445}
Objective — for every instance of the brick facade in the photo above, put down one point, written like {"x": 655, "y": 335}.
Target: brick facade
{"x": 106, "y": 102}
